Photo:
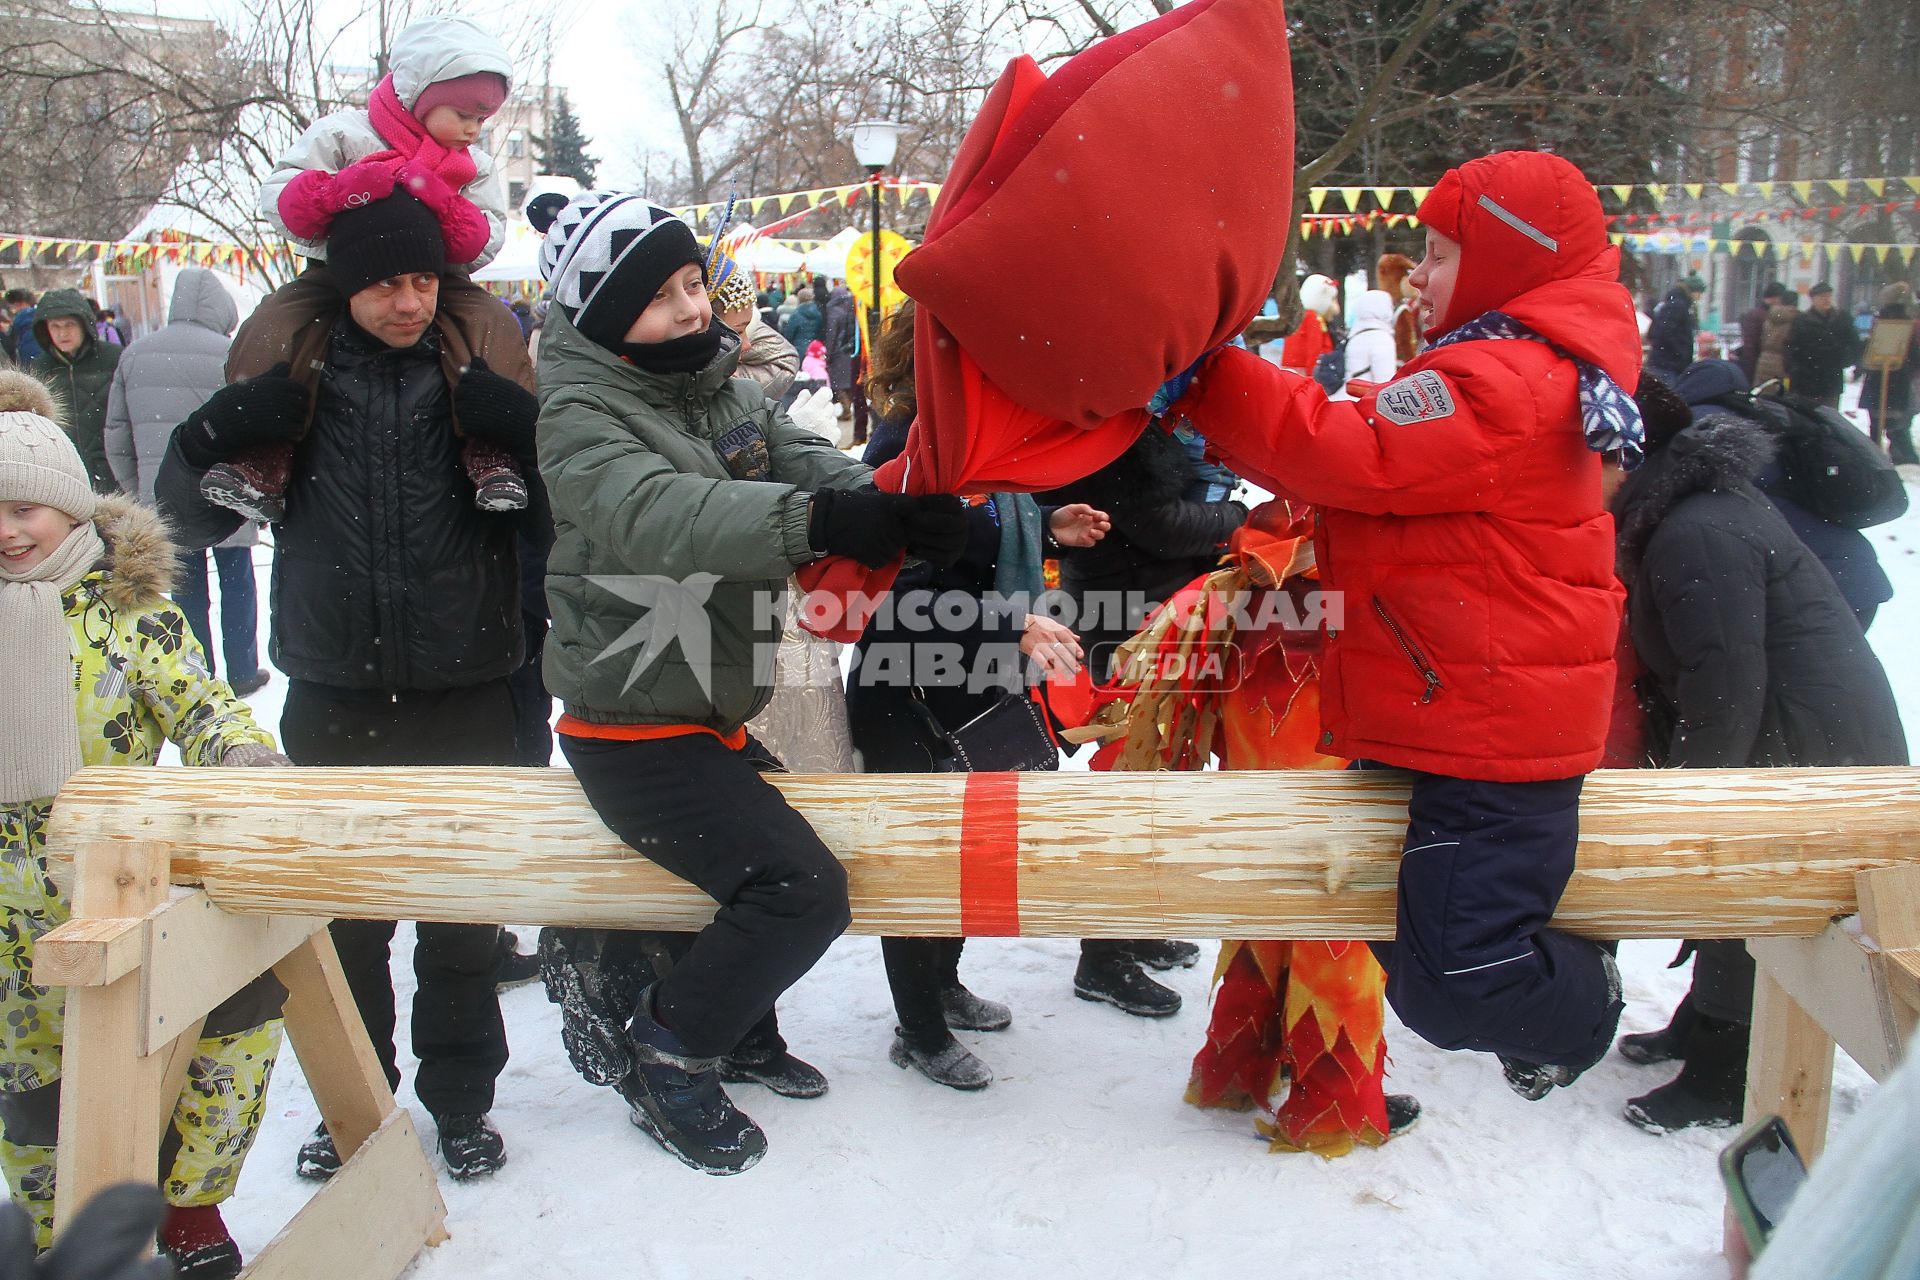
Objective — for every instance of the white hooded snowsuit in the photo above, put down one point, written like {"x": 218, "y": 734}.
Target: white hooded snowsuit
{"x": 427, "y": 52}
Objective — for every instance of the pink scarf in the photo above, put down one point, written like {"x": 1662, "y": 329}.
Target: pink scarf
{"x": 410, "y": 141}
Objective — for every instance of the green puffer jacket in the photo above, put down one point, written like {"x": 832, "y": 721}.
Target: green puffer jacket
{"x": 82, "y": 380}
{"x": 679, "y": 510}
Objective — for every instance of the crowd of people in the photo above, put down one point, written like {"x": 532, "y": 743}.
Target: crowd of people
{"x": 1555, "y": 551}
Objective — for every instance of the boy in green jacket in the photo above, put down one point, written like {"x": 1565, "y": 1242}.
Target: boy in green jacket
{"x": 682, "y": 500}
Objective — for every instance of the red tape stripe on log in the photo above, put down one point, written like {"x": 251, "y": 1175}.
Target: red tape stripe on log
{"x": 990, "y": 856}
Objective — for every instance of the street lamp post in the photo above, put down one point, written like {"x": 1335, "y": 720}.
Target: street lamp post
{"x": 874, "y": 144}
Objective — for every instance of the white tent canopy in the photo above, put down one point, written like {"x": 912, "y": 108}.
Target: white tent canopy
{"x": 519, "y": 257}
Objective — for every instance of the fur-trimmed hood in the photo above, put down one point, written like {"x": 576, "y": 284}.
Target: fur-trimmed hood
{"x": 21, "y": 392}
{"x": 139, "y": 563}
{"x": 1717, "y": 453}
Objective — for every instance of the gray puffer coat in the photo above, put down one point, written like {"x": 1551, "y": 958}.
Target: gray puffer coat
{"x": 164, "y": 377}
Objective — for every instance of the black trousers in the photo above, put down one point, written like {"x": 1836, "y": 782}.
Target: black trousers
{"x": 1472, "y": 964}
{"x": 458, "y": 1034}
{"x": 918, "y": 970}
{"x": 701, "y": 810}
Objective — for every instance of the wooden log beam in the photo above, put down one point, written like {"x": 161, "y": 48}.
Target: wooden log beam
{"x": 1217, "y": 855}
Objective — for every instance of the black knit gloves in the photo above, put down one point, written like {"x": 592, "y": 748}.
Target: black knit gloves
{"x": 495, "y": 409}
{"x": 264, "y": 410}
{"x": 874, "y": 527}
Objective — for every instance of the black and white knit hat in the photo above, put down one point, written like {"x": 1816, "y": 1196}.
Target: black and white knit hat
{"x": 606, "y": 254}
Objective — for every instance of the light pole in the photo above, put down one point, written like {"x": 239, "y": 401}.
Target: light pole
{"x": 874, "y": 143}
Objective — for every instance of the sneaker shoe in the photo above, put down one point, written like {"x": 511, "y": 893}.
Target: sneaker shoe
{"x": 1665, "y": 1045}
{"x": 781, "y": 1072}
{"x": 251, "y": 683}
{"x": 471, "y": 1146}
{"x": 513, "y": 967}
{"x": 497, "y": 482}
{"x": 1126, "y": 987}
{"x": 965, "y": 1011}
{"x": 318, "y": 1158}
{"x": 1164, "y": 954}
{"x": 678, "y": 1102}
{"x": 195, "y": 1239}
{"x": 254, "y": 484}
{"x": 1403, "y": 1112}
{"x": 952, "y": 1066}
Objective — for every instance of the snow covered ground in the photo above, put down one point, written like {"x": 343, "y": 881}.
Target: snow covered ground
{"x": 1081, "y": 1160}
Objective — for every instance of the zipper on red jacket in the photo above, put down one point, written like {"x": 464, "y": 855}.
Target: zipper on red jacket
{"x": 1413, "y": 651}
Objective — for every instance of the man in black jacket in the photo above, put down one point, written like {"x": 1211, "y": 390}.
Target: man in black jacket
{"x": 396, "y": 609}
{"x": 1755, "y": 661}
{"x": 1670, "y": 338}
{"x": 1822, "y": 343}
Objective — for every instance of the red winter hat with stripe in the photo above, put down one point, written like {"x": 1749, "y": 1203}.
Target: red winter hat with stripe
{"x": 1522, "y": 218}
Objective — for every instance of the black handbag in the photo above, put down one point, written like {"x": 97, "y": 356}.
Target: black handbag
{"x": 1011, "y": 736}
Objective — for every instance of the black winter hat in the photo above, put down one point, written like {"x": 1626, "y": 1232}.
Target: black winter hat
{"x": 1662, "y": 410}
{"x": 395, "y": 236}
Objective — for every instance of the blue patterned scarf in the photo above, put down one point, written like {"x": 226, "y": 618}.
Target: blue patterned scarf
{"x": 1608, "y": 415}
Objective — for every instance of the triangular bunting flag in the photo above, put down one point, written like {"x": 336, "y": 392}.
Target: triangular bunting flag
{"x": 1622, "y": 192}
{"x": 1838, "y": 186}
{"x": 1765, "y": 189}
{"x": 1306, "y": 231}
{"x": 1913, "y": 183}
{"x": 1876, "y": 185}
{"x": 1316, "y": 198}
{"x": 1352, "y": 197}
{"x": 1617, "y": 237}
{"x": 1658, "y": 191}
{"x": 1857, "y": 250}
{"x": 1693, "y": 188}
{"x": 1384, "y": 196}
{"x": 1730, "y": 188}
{"x": 1419, "y": 194}
{"x": 1802, "y": 190}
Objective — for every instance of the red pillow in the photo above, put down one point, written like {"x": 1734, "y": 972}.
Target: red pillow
{"x": 1132, "y": 214}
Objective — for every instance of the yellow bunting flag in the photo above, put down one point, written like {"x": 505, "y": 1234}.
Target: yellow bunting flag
{"x": 1914, "y": 183}
{"x": 1802, "y": 190}
{"x": 1658, "y": 191}
{"x": 1316, "y": 198}
{"x": 1352, "y": 196}
{"x": 1838, "y": 186}
{"x": 1765, "y": 189}
{"x": 1622, "y": 192}
{"x": 1384, "y": 196}
{"x": 1876, "y": 185}
{"x": 1693, "y": 188}
{"x": 1857, "y": 250}
{"x": 1730, "y": 188}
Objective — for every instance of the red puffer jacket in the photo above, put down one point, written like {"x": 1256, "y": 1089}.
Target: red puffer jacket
{"x": 1461, "y": 519}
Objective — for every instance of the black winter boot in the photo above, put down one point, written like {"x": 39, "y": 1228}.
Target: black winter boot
{"x": 471, "y": 1146}
{"x": 965, "y": 1011}
{"x": 318, "y": 1159}
{"x": 1664, "y": 1045}
{"x": 1403, "y": 1112}
{"x": 1711, "y": 1089}
{"x": 778, "y": 1070}
{"x": 678, "y": 1101}
{"x": 513, "y": 967}
{"x": 1120, "y": 982}
{"x": 595, "y": 981}
{"x": 1163, "y": 954}
{"x": 951, "y": 1065}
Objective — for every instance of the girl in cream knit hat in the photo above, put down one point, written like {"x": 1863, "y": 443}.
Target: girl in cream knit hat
{"x": 103, "y": 670}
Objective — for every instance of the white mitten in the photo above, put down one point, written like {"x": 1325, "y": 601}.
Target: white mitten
{"x": 815, "y": 411}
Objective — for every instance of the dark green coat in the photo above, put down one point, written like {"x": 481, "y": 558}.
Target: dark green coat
{"x": 670, "y": 492}
{"x": 81, "y": 380}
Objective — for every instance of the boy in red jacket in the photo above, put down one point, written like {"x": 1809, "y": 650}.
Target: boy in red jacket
{"x": 1462, "y": 528}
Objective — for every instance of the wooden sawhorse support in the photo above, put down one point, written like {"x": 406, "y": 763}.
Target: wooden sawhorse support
{"x": 143, "y": 964}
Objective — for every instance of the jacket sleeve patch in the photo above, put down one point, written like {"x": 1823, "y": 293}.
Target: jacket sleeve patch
{"x": 743, "y": 448}
{"x": 1418, "y": 397}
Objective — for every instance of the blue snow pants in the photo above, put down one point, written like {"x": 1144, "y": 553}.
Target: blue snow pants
{"x": 1472, "y": 964}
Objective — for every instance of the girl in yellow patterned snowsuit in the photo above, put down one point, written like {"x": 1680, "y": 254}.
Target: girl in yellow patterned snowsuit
{"x": 102, "y": 670}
